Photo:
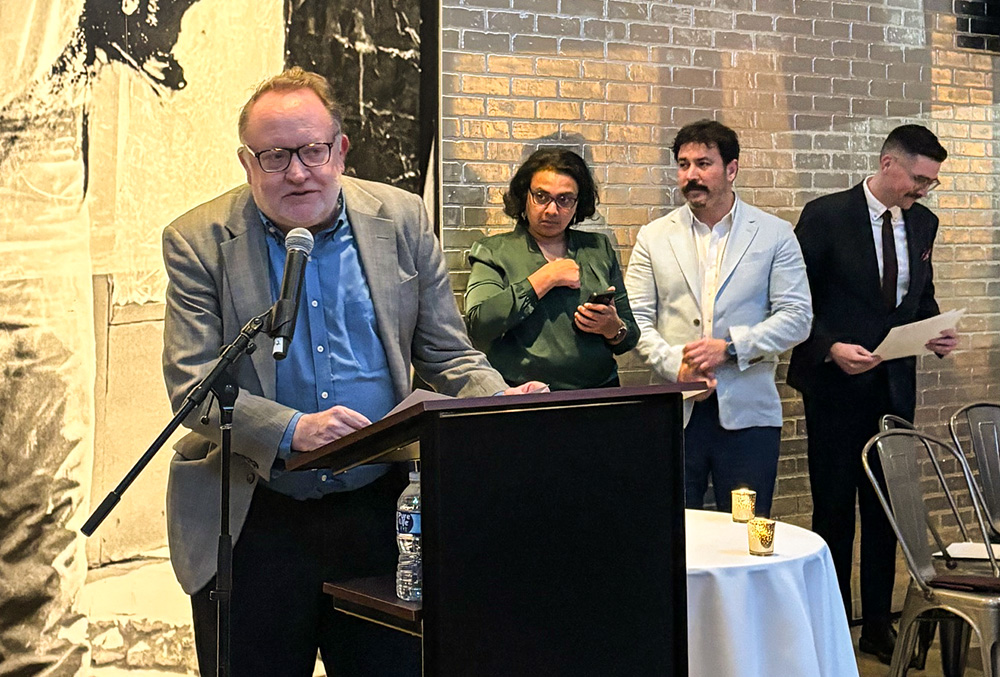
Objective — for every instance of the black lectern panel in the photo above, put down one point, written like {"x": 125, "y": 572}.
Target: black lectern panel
{"x": 553, "y": 541}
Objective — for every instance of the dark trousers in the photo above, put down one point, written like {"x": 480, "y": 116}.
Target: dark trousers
{"x": 280, "y": 615}
{"x": 838, "y": 428}
{"x": 733, "y": 458}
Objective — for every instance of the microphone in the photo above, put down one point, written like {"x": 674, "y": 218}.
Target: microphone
{"x": 298, "y": 245}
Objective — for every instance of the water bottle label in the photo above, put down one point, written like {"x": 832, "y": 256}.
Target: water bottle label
{"x": 408, "y": 523}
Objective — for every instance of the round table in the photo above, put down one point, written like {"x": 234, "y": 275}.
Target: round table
{"x": 750, "y": 615}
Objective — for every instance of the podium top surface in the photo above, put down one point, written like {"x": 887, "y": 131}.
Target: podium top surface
{"x": 400, "y": 428}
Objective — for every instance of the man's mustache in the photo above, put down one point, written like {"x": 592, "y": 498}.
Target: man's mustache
{"x": 693, "y": 185}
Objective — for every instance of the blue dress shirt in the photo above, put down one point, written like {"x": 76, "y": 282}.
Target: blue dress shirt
{"x": 335, "y": 356}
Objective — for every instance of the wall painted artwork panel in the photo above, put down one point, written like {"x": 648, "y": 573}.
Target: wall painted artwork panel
{"x": 115, "y": 117}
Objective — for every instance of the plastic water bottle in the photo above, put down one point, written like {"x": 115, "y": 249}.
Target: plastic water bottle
{"x": 409, "y": 572}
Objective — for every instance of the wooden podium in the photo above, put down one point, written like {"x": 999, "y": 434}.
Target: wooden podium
{"x": 553, "y": 533}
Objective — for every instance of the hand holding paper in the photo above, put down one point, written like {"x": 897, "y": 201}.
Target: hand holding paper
{"x": 852, "y": 358}
{"x": 935, "y": 334}
{"x": 944, "y": 343}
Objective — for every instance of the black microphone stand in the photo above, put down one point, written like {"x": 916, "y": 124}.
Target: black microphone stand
{"x": 221, "y": 383}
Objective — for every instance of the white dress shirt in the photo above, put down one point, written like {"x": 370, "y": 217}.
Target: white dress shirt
{"x": 710, "y": 242}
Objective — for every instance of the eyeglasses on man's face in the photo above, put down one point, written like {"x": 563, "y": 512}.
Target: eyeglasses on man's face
{"x": 542, "y": 199}
{"x": 923, "y": 183}
{"x": 920, "y": 183}
{"x": 274, "y": 160}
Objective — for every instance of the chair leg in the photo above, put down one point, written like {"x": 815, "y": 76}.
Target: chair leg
{"x": 983, "y": 625}
{"x": 906, "y": 642}
{"x": 955, "y": 635}
{"x": 926, "y": 635}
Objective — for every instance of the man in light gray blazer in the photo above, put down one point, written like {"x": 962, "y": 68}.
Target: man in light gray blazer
{"x": 376, "y": 300}
{"x": 719, "y": 290}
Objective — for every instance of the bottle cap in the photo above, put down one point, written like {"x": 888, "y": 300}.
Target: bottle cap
{"x": 414, "y": 476}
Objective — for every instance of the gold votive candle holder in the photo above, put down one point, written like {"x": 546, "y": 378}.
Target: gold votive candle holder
{"x": 760, "y": 532}
{"x": 744, "y": 503}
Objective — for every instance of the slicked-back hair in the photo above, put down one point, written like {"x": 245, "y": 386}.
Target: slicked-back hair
{"x": 712, "y": 134}
{"x": 295, "y": 78}
{"x": 561, "y": 161}
{"x": 914, "y": 140}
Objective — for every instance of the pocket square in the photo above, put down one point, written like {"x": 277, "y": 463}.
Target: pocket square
{"x": 926, "y": 255}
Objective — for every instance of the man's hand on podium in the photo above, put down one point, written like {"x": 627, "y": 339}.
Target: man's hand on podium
{"x": 314, "y": 430}
{"x": 529, "y": 387}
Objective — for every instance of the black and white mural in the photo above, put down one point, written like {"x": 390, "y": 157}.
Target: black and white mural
{"x": 115, "y": 117}
{"x": 370, "y": 51}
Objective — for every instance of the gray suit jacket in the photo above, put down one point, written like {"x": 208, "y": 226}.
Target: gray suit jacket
{"x": 762, "y": 303}
{"x": 216, "y": 261}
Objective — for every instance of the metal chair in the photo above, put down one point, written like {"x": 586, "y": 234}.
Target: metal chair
{"x": 955, "y": 633}
{"x": 980, "y": 424}
{"x": 902, "y": 454}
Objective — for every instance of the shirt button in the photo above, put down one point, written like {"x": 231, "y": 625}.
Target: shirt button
{"x": 697, "y": 322}
{"x": 323, "y": 477}
{"x": 314, "y": 303}
{"x": 250, "y": 478}
{"x": 319, "y": 349}
{"x": 324, "y": 394}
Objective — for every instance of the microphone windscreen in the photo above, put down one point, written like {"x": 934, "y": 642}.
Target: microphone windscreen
{"x": 299, "y": 238}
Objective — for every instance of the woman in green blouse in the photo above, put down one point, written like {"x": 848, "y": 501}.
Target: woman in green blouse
{"x": 527, "y": 302}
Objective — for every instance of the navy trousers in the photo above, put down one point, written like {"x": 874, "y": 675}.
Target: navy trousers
{"x": 732, "y": 458}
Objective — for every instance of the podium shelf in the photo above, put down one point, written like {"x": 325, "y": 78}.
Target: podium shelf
{"x": 374, "y": 599}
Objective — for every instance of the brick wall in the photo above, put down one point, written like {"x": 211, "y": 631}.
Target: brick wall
{"x": 811, "y": 86}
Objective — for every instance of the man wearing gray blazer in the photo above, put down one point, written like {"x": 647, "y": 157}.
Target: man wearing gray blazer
{"x": 719, "y": 290}
{"x": 376, "y": 299}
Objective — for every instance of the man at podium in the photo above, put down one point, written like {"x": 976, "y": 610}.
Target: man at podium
{"x": 375, "y": 300}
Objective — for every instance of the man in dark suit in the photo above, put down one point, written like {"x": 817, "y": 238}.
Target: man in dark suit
{"x": 868, "y": 257}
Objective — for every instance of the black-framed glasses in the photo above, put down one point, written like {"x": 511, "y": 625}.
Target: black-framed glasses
{"x": 542, "y": 199}
{"x": 274, "y": 160}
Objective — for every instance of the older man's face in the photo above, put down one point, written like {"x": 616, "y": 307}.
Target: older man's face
{"x": 299, "y": 196}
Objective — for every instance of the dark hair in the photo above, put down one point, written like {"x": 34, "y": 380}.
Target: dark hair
{"x": 914, "y": 140}
{"x": 561, "y": 161}
{"x": 293, "y": 79}
{"x": 712, "y": 134}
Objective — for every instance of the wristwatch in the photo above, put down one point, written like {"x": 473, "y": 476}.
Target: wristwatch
{"x": 730, "y": 350}
{"x": 620, "y": 336}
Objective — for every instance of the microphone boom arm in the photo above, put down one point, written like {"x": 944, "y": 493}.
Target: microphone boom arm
{"x": 230, "y": 354}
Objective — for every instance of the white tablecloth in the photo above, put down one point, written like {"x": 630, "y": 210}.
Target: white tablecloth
{"x": 776, "y": 616}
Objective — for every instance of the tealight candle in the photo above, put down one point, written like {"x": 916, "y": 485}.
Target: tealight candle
{"x": 744, "y": 502}
{"x": 760, "y": 531}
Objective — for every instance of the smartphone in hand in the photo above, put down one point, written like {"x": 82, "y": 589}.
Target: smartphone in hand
{"x": 602, "y": 297}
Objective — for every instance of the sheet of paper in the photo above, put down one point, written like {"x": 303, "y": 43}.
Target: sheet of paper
{"x": 909, "y": 339}
{"x": 416, "y": 397}
{"x": 965, "y": 550}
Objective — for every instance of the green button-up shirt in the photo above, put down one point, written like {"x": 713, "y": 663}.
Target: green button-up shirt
{"x": 527, "y": 338}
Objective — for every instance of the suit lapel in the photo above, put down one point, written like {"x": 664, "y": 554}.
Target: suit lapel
{"x": 376, "y": 240}
{"x": 681, "y": 242}
{"x": 743, "y": 231}
{"x": 245, "y": 255}
{"x": 858, "y": 221}
{"x": 914, "y": 252}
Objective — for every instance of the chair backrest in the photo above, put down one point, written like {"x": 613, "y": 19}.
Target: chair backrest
{"x": 891, "y": 422}
{"x": 901, "y": 452}
{"x": 981, "y": 422}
